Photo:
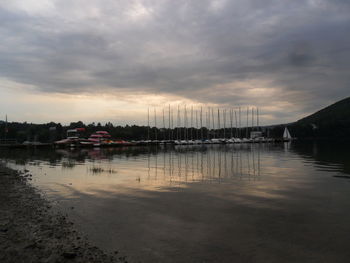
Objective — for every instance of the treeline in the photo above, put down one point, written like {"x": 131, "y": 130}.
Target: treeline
{"x": 52, "y": 131}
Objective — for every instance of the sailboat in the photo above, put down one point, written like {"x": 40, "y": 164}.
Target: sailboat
{"x": 286, "y": 135}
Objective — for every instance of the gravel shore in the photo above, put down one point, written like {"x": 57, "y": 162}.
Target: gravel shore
{"x": 30, "y": 231}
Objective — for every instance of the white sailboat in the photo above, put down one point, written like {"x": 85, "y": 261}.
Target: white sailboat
{"x": 286, "y": 135}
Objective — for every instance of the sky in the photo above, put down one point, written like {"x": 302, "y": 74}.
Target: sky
{"x": 111, "y": 60}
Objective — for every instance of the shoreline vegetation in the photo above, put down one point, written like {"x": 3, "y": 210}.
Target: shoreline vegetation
{"x": 30, "y": 231}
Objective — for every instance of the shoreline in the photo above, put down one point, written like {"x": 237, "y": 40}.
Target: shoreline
{"x": 30, "y": 231}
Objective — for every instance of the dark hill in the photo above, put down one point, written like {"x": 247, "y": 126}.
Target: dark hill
{"x": 330, "y": 122}
{"x": 337, "y": 112}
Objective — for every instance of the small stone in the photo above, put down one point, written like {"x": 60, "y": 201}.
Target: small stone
{"x": 30, "y": 246}
{"x": 69, "y": 254}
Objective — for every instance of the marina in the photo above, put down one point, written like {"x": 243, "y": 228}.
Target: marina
{"x": 219, "y": 127}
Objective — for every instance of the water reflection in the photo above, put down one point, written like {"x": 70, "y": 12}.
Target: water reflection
{"x": 110, "y": 170}
{"x": 203, "y": 203}
{"x": 324, "y": 155}
{"x": 189, "y": 163}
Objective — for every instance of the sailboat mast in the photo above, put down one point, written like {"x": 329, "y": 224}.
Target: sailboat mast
{"x": 257, "y": 118}
{"x": 224, "y": 123}
{"x": 213, "y": 121}
{"x": 209, "y": 125}
{"x": 196, "y": 124}
{"x": 201, "y": 122}
{"x": 185, "y": 123}
{"x": 236, "y": 124}
{"x": 192, "y": 122}
{"x": 239, "y": 117}
{"x": 246, "y": 133}
{"x": 163, "y": 125}
{"x": 252, "y": 119}
{"x": 172, "y": 124}
{"x": 219, "y": 127}
{"x": 155, "y": 122}
{"x": 206, "y": 123}
{"x": 148, "y": 124}
{"x": 169, "y": 124}
{"x": 178, "y": 122}
{"x": 231, "y": 117}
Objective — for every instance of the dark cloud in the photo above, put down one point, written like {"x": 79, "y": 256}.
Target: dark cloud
{"x": 301, "y": 55}
{"x": 200, "y": 50}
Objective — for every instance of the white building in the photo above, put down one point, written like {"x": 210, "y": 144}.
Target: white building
{"x": 255, "y": 134}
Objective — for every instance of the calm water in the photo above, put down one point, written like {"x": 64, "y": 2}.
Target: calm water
{"x": 233, "y": 203}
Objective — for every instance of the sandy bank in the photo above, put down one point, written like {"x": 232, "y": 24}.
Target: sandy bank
{"x": 30, "y": 231}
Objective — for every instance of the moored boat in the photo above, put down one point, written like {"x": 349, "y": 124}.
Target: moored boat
{"x": 286, "y": 135}
{"x": 100, "y": 138}
{"x": 74, "y": 137}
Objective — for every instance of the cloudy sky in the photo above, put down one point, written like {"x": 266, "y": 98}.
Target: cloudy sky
{"x": 109, "y": 60}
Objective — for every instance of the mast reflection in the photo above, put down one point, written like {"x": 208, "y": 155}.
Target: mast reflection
{"x": 206, "y": 164}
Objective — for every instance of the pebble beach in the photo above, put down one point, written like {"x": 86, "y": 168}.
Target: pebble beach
{"x": 32, "y": 231}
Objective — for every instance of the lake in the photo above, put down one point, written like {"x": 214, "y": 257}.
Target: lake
{"x": 203, "y": 203}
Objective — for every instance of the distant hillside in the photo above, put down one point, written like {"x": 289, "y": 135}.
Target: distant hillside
{"x": 337, "y": 112}
{"x": 330, "y": 122}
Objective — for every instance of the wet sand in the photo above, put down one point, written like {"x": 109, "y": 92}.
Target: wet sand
{"x": 31, "y": 231}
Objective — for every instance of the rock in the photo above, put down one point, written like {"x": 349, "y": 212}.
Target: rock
{"x": 30, "y": 246}
{"x": 69, "y": 254}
